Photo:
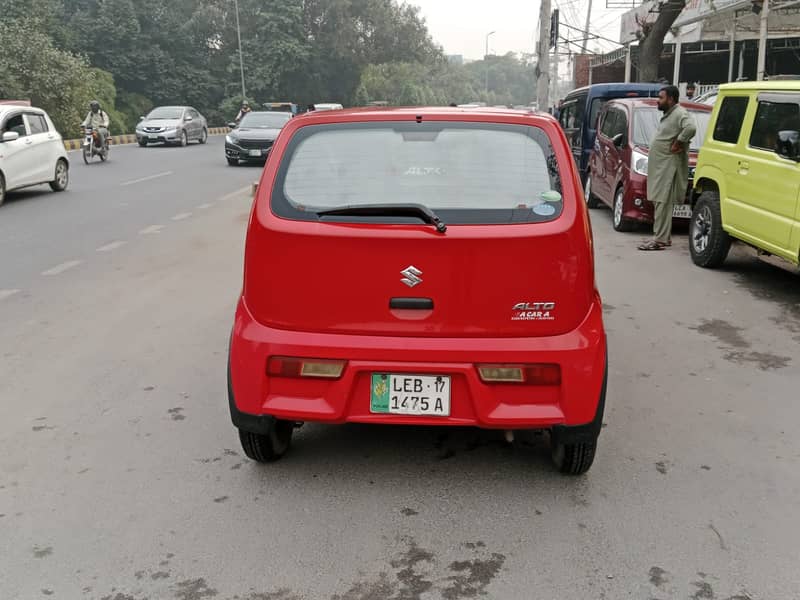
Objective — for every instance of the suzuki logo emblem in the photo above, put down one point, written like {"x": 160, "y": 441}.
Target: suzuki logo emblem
{"x": 411, "y": 276}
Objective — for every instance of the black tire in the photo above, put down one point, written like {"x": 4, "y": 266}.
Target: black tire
{"x": 184, "y": 139}
{"x": 574, "y": 459}
{"x": 233, "y": 162}
{"x": 270, "y": 447}
{"x": 709, "y": 243}
{"x": 103, "y": 155}
{"x": 591, "y": 200}
{"x": 142, "y": 144}
{"x": 619, "y": 222}
{"x": 203, "y": 136}
{"x": 60, "y": 176}
{"x": 86, "y": 155}
{"x": 2, "y": 190}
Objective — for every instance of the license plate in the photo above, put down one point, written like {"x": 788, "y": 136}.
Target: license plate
{"x": 682, "y": 211}
{"x": 255, "y": 152}
{"x": 152, "y": 137}
{"x": 401, "y": 394}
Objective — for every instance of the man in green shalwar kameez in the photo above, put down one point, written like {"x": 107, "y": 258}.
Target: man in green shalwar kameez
{"x": 668, "y": 165}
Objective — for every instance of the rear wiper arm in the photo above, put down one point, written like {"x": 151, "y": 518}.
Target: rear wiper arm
{"x": 391, "y": 210}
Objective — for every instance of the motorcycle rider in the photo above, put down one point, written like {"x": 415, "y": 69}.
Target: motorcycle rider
{"x": 98, "y": 120}
{"x": 243, "y": 111}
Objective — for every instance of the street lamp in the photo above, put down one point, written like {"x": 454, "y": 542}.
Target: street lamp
{"x": 241, "y": 58}
{"x": 486, "y": 58}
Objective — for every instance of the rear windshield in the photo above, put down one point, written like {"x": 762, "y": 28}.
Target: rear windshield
{"x": 646, "y": 121}
{"x": 468, "y": 173}
{"x": 265, "y": 120}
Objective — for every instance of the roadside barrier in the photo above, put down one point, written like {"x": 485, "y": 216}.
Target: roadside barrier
{"x": 130, "y": 138}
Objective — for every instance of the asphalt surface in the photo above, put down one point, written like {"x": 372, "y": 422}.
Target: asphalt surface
{"x": 121, "y": 477}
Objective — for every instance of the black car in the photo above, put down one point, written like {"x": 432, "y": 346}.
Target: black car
{"x": 252, "y": 138}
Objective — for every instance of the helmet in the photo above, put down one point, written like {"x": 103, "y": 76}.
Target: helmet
{"x": 94, "y": 105}
{"x": 245, "y": 104}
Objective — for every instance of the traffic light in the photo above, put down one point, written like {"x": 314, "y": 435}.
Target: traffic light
{"x": 554, "y": 28}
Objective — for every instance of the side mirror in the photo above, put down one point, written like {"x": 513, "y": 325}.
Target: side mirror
{"x": 141, "y": 118}
{"x": 187, "y": 118}
{"x": 232, "y": 125}
{"x": 619, "y": 140}
{"x": 788, "y": 145}
{"x": 10, "y": 136}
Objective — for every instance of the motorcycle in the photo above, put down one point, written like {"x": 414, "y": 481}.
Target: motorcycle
{"x": 91, "y": 146}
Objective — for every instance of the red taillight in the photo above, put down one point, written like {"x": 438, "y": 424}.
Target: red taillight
{"x": 315, "y": 368}
{"x": 537, "y": 374}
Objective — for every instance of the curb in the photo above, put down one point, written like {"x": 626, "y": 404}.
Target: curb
{"x": 130, "y": 138}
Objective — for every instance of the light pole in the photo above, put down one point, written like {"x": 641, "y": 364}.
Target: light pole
{"x": 486, "y": 58}
{"x": 241, "y": 58}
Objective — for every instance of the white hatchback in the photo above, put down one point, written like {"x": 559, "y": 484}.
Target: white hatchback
{"x": 31, "y": 150}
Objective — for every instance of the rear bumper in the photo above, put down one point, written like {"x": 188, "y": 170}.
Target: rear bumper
{"x": 639, "y": 208}
{"x": 572, "y": 410}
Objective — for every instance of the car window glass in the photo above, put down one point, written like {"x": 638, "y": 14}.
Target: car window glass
{"x": 37, "y": 124}
{"x": 647, "y": 120}
{"x": 16, "y": 124}
{"x": 473, "y": 173}
{"x": 607, "y": 127}
{"x": 771, "y": 118}
{"x": 597, "y": 106}
{"x": 620, "y": 123}
{"x": 567, "y": 116}
{"x": 730, "y": 119}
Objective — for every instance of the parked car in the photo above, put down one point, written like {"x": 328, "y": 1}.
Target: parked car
{"x": 617, "y": 173}
{"x": 252, "y": 138}
{"x": 172, "y": 125}
{"x": 31, "y": 150}
{"x": 328, "y": 106}
{"x": 289, "y": 107}
{"x": 581, "y": 108}
{"x": 382, "y": 282}
{"x": 747, "y": 183}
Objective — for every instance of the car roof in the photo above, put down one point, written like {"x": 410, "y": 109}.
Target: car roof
{"x": 615, "y": 88}
{"x": 653, "y": 102}
{"x": 7, "y": 108}
{"x": 487, "y": 114}
{"x": 786, "y": 85}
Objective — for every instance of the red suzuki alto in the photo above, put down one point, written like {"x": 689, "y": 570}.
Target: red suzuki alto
{"x": 428, "y": 266}
{"x": 618, "y": 165}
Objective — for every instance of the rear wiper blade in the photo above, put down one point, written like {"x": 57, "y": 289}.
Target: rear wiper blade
{"x": 390, "y": 210}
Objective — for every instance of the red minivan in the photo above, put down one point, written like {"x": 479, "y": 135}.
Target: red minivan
{"x": 426, "y": 266}
{"x": 618, "y": 165}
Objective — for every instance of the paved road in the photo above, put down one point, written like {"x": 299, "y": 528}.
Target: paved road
{"x": 121, "y": 477}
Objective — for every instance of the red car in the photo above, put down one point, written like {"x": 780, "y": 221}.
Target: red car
{"x": 618, "y": 165}
{"x": 428, "y": 266}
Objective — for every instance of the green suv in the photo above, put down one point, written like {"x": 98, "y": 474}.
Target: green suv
{"x": 747, "y": 180}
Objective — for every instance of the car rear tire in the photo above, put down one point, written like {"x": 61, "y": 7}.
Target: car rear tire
{"x": 232, "y": 162}
{"x": 709, "y": 243}
{"x": 184, "y": 139}
{"x": 574, "y": 459}
{"x": 265, "y": 448}
{"x": 618, "y": 219}
{"x": 61, "y": 177}
{"x": 2, "y": 190}
{"x": 203, "y": 136}
{"x": 591, "y": 199}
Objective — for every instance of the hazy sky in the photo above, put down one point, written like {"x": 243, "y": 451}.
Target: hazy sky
{"x": 461, "y": 26}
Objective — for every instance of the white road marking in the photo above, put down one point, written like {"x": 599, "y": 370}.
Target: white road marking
{"x": 181, "y": 216}
{"x": 152, "y": 229}
{"x": 111, "y": 246}
{"x": 7, "y": 293}
{"x": 205, "y": 206}
{"x": 58, "y": 269}
{"x": 238, "y": 192}
{"x": 148, "y": 178}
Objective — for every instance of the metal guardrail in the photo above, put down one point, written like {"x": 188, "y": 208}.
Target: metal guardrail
{"x": 130, "y": 138}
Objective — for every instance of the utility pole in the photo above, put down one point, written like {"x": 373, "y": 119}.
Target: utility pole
{"x": 762, "y": 41}
{"x": 543, "y": 56}
{"x": 486, "y": 60}
{"x": 241, "y": 58}
{"x": 586, "y": 29}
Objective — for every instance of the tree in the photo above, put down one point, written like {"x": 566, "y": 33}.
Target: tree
{"x": 651, "y": 37}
